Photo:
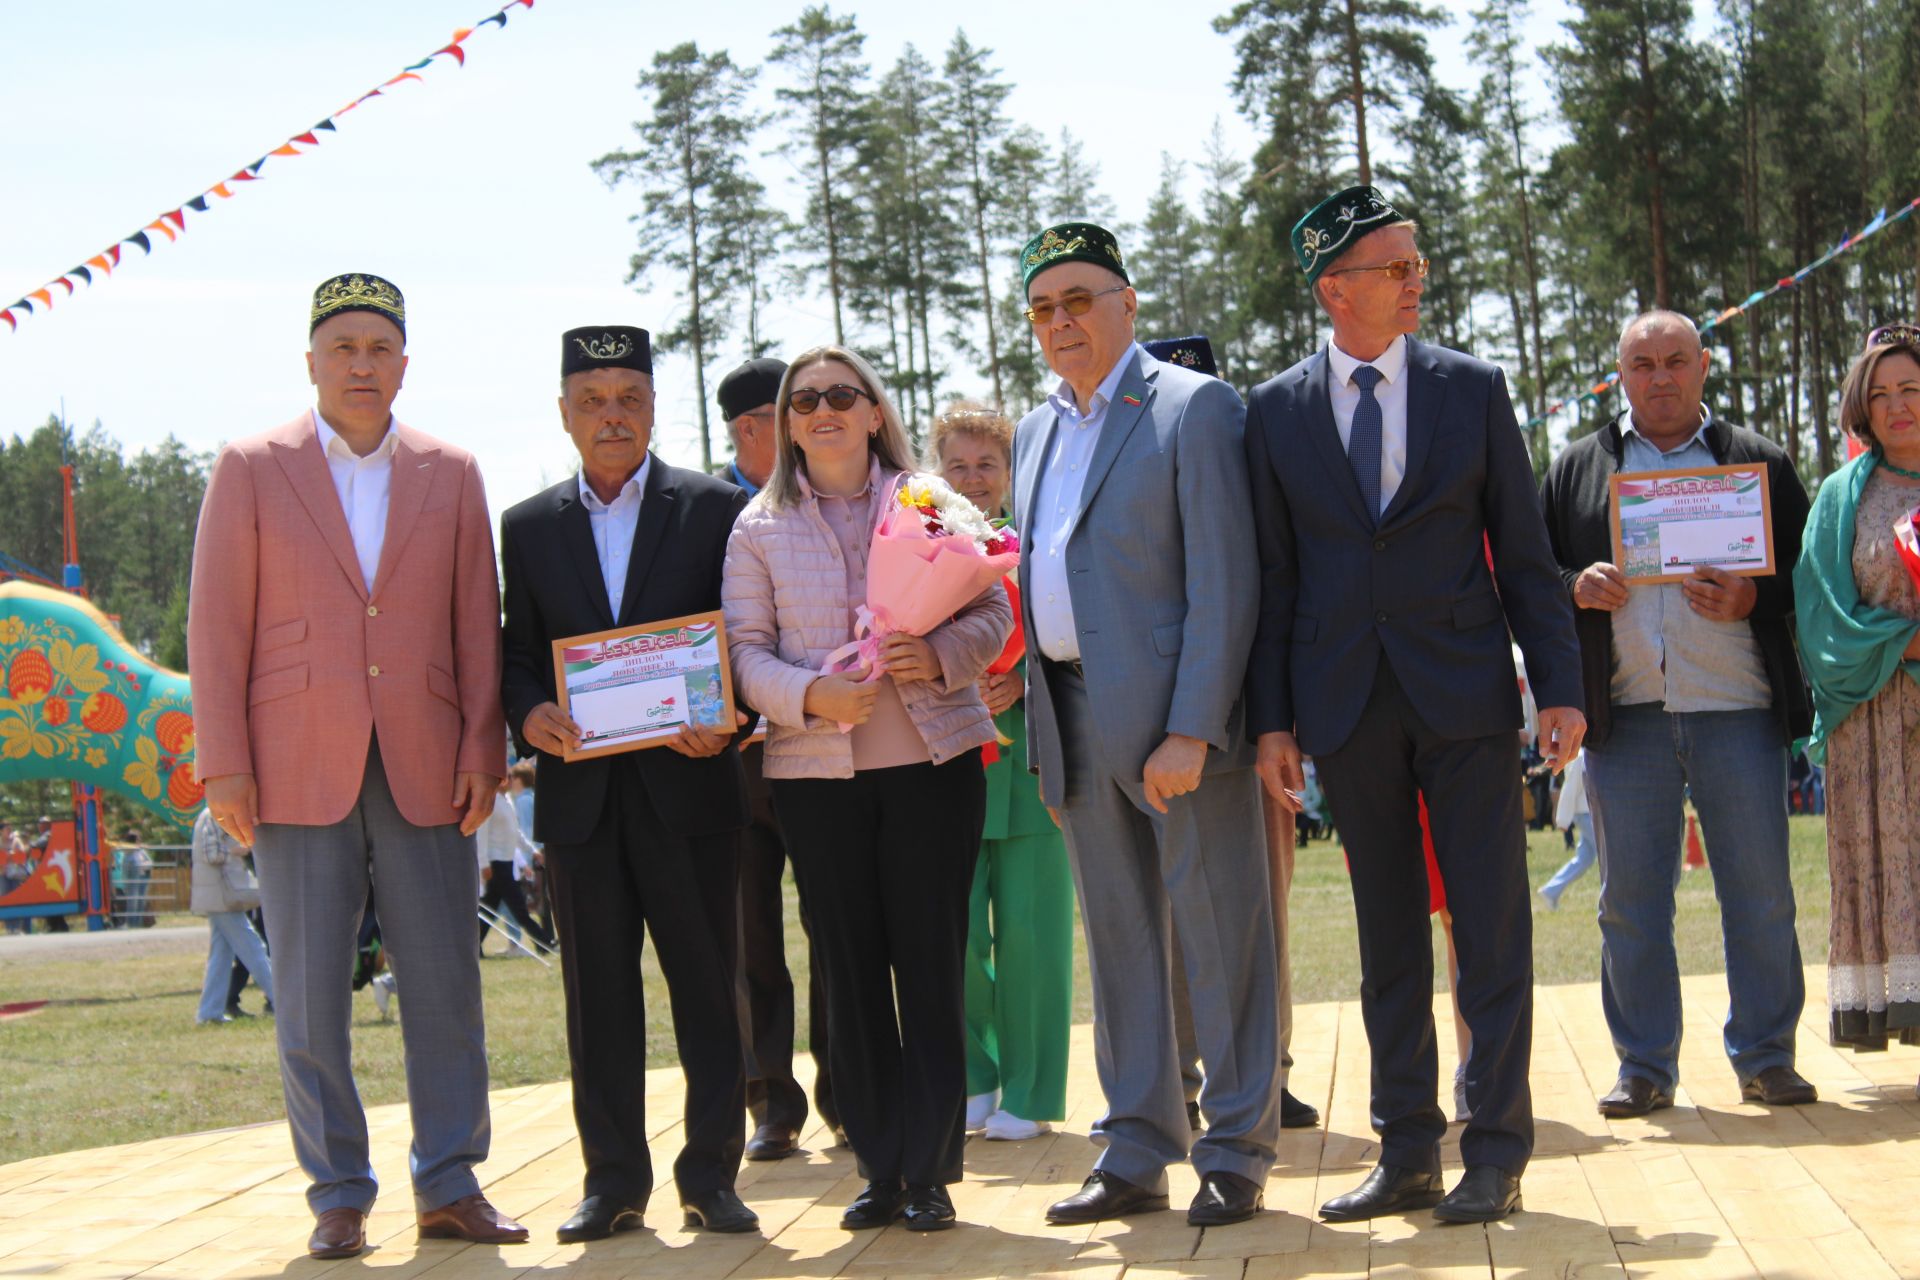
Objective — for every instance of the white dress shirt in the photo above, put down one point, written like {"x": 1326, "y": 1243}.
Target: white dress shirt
{"x": 1391, "y": 392}
{"x": 1056, "y": 508}
{"x": 613, "y": 526}
{"x": 364, "y": 485}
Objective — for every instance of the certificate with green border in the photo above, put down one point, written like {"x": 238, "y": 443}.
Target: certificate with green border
{"x": 1665, "y": 523}
{"x": 633, "y": 687}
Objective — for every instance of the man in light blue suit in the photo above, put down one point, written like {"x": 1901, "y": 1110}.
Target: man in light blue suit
{"x": 1138, "y": 574}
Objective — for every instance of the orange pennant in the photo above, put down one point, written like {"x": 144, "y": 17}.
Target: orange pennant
{"x": 220, "y": 189}
{"x": 46, "y": 299}
{"x": 404, "y": 75}
{"x": 99, "y": 262}
{"x": 161, "y": 225}
{"x": 285, "y": 149}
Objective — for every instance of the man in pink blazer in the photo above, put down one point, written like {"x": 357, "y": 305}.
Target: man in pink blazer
{"x": 344, "y": 643}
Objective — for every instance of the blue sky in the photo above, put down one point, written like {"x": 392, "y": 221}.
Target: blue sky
{"x": 471, "y": 190}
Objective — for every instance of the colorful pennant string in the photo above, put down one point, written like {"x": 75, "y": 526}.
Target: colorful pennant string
{"x": 1881, "y": 221}
{"x": 173, "y": 223}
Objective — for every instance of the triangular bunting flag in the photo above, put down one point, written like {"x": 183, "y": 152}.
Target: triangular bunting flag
{"x": 177, "y": 218}
{"x": 220, "y": 189}
{"x": 459, "y": 54}
{"x": 64, "y": 283}
{"x": 83, "y": 273}
{"x": 309, "y": 139}
{"x": 461, "y": 33}
{"x": 501, "y": 18}
{"x": 99, "y": 263}
{"x": 24, "y": 303}
{"x": 285, "y": 149}
{"x": 198, "y": 204}
{"x": 114, "y": 254}
{"x": 7, "y": 315}
{"x": 326, "y": 124}
{"x": 404, "y": 75}
{"x": 424, "y": 62}
{"x": 160, "y": 224}
{"x": 46, "y": 299}
{"x": 254, "y": 168}
{"x": 242, "y": 175}
{"x": 140, "y": 238}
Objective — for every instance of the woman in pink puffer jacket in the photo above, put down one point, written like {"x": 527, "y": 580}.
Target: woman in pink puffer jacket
{"x": 883, "y": 823}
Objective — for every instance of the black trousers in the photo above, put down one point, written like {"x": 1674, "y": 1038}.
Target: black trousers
{"x": 505, "y": 897}
{"x": 764, "y": 988}
{"x": 1473, "y": 794}
{"x": 633, "y": 875}
{"x": 886, "y": 861}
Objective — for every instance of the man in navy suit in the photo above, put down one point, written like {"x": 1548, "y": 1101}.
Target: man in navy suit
{"x": 1400, "y": 541}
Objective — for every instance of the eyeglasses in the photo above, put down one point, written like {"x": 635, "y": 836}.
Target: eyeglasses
{"x": 1902, "y": 334}
{"x": 840, "y": 397}
{"x": 1074, "y": 304}
{"x": 1398, "y": 269}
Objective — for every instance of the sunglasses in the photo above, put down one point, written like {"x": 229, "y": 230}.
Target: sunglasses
{"x": 1398, "y": 269}
{"x": 1902, "y": 334}
{"x": 1074, "y": 304}
{"x": 840, "y": 397}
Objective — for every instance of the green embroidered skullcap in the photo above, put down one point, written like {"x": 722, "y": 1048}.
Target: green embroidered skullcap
{"x": 1071, "y": 242}
{"x": 1332, "y": 226}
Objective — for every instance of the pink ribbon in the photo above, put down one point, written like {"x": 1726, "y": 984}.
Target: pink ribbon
{"x": 862, "y": 651}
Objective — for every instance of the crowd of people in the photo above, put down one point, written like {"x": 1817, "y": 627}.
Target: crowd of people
{"x": 1232, "y": 622}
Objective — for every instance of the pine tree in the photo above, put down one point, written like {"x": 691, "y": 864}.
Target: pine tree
{"x": 1076, "y": 195}
{"x": 1367, "y": 53}
{"x": 827, "y": 107}
{"x": 976, "y": 129}
{"x": 1164, "y": 262}
{"x": 689, "y": 158}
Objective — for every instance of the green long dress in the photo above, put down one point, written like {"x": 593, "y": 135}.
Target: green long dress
{"x": 1019, "y": 963}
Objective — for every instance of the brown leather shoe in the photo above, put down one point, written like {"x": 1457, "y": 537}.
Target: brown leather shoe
{"x": 471, "y": 1218}
{"x": 338, "y": 1233}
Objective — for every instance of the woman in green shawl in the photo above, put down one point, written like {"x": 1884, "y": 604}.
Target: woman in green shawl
{"x": 1858, "y": 617}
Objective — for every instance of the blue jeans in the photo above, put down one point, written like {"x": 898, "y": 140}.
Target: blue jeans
{"x": 1576, "y": 866}
{"x": 233, "y": 939}
{"x": 1735, "y": 766}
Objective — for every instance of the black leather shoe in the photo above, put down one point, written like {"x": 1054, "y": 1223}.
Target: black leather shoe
{"x": 773, "y": 1142}
{"x": 721, "y": 1211}
{"x": 1104, "y": 1196}
{"x": 928, "y": 1208}
{"x": 1779, "y": 1087}
{"x": 1295, "y": 1114}
{"x": 599, "y": 1217}
{"x": 1224, "y": 1198}
{"x": 883, "y": 1200}
{"x": 1487, "y": 1193}
{"x": 1390, "y": 1188}
{"x": 1633, "y": 1096}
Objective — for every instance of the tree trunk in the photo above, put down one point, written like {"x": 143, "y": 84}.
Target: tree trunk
{"x": 693, "y": 294}
{"x": 1793, "y": 343}
{"x": 833, "y": 233}
{"x": 1822, "y": 398}
{"x": 1656, "y": 194}
{"x": 1358, "y": 87}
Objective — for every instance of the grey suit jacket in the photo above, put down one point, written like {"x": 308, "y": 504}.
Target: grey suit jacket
{"x": 1162, "y": 570}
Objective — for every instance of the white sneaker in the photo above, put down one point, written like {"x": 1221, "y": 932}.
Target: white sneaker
{"x": 383, "y": 993}
{"x": 1461, "y": 1111}
{"x": 979, "y": 1107}
{"x": 1004, "y": 1126}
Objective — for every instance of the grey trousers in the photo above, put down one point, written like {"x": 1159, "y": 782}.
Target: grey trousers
{"x": 1139, "y": 874}
{"x": 313, "y": 887}
{"x": 1280, "y": 850}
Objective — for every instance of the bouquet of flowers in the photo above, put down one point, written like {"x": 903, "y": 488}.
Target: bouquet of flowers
{"x": 932, "y": 552}
{"x": 1009, "y": 659}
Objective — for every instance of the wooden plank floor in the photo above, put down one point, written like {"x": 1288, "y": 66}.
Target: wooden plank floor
{"x": 1711, "y": 1188}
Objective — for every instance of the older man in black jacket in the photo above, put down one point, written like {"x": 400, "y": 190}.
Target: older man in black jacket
{"x": 1692, "y": 688}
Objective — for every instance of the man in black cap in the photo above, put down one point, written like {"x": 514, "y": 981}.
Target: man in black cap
{"x": 764, "y": 988}
{"x": 746, "y": 401}
{"x": 644, "y": 841}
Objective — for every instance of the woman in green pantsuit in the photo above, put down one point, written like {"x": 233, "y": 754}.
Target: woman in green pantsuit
{"x": 1019, "y": 994}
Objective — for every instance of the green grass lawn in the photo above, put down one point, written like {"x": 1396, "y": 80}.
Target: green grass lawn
{"x": 116, "y": 1056}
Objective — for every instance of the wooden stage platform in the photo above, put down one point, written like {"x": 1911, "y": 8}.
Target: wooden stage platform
{"x": 1710, "y": 1188}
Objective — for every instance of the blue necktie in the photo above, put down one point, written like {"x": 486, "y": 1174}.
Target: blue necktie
{"x": 1363, "y": 441}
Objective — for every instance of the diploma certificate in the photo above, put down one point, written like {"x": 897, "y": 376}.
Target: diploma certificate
{"x": 633, "y": 687}
{"x": 1667, "y": 522}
